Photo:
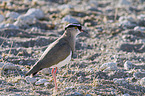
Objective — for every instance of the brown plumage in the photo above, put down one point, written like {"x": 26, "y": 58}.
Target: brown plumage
{"x": 59, "y": 52}
{"x": 56, "y": 52}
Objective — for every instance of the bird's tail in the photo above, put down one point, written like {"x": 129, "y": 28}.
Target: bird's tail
{"x": 34, "y": 69}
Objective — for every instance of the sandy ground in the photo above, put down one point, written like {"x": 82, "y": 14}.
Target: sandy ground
{"x": 109, "y": 58}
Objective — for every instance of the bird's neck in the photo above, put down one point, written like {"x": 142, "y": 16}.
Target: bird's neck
{"x": 71, "y": 39}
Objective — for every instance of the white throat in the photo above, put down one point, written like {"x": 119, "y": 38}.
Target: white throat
{"x": 78, "y": 32}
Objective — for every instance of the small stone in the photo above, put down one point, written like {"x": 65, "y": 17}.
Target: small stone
{"x": 128, "y": 24}
{"x": 75, "y": 94}
{"x": 14, "y": 79}
{"x": 2, "y": 26}
{"x": 126, "y": 21}
{"x": 141, "y": 17}
{"x": 30, "y": 80}
{"x": 139, "y": 75}
{"x": 25, "y": 20}
{"x": 126, "y": 94}
{"x": 65, "y": 6}
{"x": 65, "y": 12}
{"x": 10, "y": 26}
{"x": 37, "y": 13}
{"x": 128, "y": 65}
{"x": 46, "y": 71}
{"x": 14, "y": 94}
{"x": 27, "y": 1}
{"x": 35, "y": 29}
{"x": 92, "y": 8}
{"x": 124, "y": 18}
{"x": 109, "y": 66}
{"x": 88, "y": 95}
{"x": 2, "y": 18}
{"x": 142, "y": 82}
{"x": 80, "y": 79}
{"x": 69, "y": 88}
{"x": 48, "y": 85}
{"x": 137, "y": 28}
{"x": 69, "y": 19}
{"x": 119, "y": 81}
{"x": 8, "y": 66}
{"x": 41, "y": 81}
{"x": 124, "y": 3}
{"x": 12, "y": 15}
{"x": 23, "y": 68}
{"x": 1, "y": 56}
{"x": 93, "y": 3}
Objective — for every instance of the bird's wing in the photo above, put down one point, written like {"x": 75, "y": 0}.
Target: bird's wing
{"x": 55, "y": 53}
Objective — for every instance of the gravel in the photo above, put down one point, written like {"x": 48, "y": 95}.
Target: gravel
{"x": 109, "y": 57}
{"x": 12, "y": 15}
{"x": 2, "y": 18}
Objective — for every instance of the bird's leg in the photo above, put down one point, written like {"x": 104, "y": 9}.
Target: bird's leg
{"x": 54, "y": 76}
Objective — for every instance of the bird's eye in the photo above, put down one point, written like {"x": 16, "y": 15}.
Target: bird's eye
{"x": 76, "y": 27}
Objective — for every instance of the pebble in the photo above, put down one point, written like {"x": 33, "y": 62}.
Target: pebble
{"x": 30, "y": 79}
{"x": 141, "y": 17}
{"x": 128, "y": 18}
{"x": 30, "y": 17}
{"x": 27, "y": 1}
{"x": 142, "y": 82}
{"x": 138, "y": 28}
{"x": 13, "y": 94}
{"x": 10, "y": 26}
{"x": 126, "y": 21}
{"x": 69, "y": 19}
{"x": 93, "y": 3}
{"x": 124, "y": 3}
{"x": 35, "y": 29}
{"x": 128, "y": 65}
{"x": 119, "y": 81}
{"x": 25, "y": 20}
{"x": 48, "y": 85}
{"x": 75, "y": 94}
{"x": 41, "y": 81}
{"x": 14, "y": 79}
{"x": 111, "y": 66}
{"x": 2, "y": 26}
{"x": 127, "y": 24}
{"x": 88, "y": 95}
{"x": 46, "y": 71}
{"x": 69, "y": 88}
{"x": 12, "y": 15}
{"x": 126, "y": 94}
{"x": 37, "y": 13}
{"x": 65, "y": 6}
{"x": 139, "y": 75}
{"x": 80, "y": 79}
{"x": 1, "y": 56}
{"x": 2, "y": 18}
{"x": 9, "y": 66}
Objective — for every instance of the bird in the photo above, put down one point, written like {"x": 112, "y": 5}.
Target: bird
{"x": 58, "y": 53}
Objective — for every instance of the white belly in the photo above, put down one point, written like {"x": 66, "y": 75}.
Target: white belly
{"x": 64, "y": 62}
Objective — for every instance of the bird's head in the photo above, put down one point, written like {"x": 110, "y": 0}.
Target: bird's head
{"x": 74, "y": 28}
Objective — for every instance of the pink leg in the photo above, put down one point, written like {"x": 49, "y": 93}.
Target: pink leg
{"x": 54, "y": 76}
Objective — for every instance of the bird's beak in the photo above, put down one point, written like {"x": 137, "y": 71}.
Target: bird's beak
{"x": 82, "y": 30}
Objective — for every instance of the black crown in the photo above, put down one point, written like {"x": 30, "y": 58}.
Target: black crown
{"x": 74, "y": 25}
